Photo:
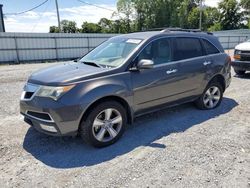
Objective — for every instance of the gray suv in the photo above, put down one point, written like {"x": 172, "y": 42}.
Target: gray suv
{"x": 125, "y": 77}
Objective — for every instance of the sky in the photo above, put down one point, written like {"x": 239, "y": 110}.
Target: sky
{"x": 41, "y": 18}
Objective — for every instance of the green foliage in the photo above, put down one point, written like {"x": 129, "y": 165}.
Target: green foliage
{"x": 68, "y": 26}
{"x": 53, "y": 29}
{"x": 230, "y": 17}
{"x": 90, "y": 28}
{"x": 138, "y": 15}
{"x": 215, "y": 27}
{"x": 245, "y": 4}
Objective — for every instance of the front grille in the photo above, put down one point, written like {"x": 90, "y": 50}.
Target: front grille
{"x": 40, "y": 116}
{"x": 245, "y": 56}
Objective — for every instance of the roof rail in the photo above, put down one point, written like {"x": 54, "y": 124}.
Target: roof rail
{"x": 169, "y": 29}
{"x": 184, "y": 30}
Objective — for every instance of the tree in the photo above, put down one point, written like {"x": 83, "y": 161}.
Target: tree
{"x": 68, "y": 26}
{"x": 126, "y": 8}
{"x": 53, "y": 29}
{"x": 194, "y": 17}
{"x": 246, "y": 6}
{"x": 106, "y": 25}
{"x": 212, "y": 16}
{"x": 230, "y": 15}
{"x": 90, "y": 28}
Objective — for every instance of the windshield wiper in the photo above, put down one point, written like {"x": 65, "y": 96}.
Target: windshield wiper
{"x": 91, "y": 63}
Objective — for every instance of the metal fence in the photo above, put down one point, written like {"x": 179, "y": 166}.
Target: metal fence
{"x": 25, "y": 47}
{"x": 230, "y": 38}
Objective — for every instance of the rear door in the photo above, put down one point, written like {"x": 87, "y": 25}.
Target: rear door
{"x": 192, "y": 61}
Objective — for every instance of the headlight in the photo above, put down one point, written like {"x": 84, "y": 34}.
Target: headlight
{"x": 237, "y": 54}
{"x": 53, "y": 92}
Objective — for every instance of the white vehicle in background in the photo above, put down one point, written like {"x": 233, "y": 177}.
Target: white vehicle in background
{"x": 241, "y": 62}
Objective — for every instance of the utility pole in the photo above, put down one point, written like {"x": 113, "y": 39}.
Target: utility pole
{"x": 2, "y": 28}
{"x": 200, "y": 14}
{"x": 58, "y": 17}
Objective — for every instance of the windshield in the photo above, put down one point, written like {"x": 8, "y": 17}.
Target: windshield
{"x": 112, "y": 53}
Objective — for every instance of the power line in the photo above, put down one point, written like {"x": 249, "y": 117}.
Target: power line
{"x": 17, "y": 13}
{"x": 84, "y": 2}
{"x": 33, "y": 28}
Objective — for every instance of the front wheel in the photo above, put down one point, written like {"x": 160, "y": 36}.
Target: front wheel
{"x": 104, "y": 125}
{"x": 211, "y": 97}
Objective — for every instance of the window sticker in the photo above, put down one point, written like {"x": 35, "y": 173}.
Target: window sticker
{"x": 134, "y": 41}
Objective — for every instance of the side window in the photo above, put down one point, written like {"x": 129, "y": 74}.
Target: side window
{"x": 159, "y": 51}
{"x": 210, "y": 49}
{"x": 186, "y": 48}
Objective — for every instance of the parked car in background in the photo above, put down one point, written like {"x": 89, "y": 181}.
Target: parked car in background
{"x": 125, "y": 77}
{"x": 241, "y": 62}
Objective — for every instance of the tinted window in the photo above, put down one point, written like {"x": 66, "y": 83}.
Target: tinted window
{"x": 159, "y": 51}
{"x": 185, "y": 48}
{"x": 210, "y": 49}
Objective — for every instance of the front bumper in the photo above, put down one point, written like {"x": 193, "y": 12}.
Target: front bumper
{"x": 63, "y": 119}
{"x": 241, "y": 65}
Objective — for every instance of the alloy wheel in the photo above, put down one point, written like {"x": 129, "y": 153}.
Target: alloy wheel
{"x": 107, "y": 125}
{"x": 212, "y": 97}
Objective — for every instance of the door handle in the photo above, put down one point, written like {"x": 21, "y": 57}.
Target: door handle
{"x": 207, "y": 63}
{"x": 171, "y": 71}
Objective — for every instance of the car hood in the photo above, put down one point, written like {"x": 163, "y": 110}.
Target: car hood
{"x": 64, "y": 73}
{"x": 243, "y": 46}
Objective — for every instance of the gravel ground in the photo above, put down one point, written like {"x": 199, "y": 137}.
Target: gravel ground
{"x": 177, "y": 147}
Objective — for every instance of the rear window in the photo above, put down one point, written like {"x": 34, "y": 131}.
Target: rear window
{"x": 186, "y": 48}
{"x": 210, "y": 48}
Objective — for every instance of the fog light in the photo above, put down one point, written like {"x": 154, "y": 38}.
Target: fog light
{"x": 48, "y": 128}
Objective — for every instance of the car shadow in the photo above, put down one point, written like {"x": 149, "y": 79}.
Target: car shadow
{"x": 244, "y": 76}
{"x": 68, "y": 152}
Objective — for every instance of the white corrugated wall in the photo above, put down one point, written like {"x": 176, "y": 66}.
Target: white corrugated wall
{"x": 23, "y": 47}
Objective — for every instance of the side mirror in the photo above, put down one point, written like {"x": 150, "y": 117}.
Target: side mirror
{"x": 76, "y": 60}
{"x": 145, "y": 64}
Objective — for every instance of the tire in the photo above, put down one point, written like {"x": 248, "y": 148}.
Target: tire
{"x": 98, "y": 129}
{"x": 239, "y": 72}
{"x": 203, "y": 102}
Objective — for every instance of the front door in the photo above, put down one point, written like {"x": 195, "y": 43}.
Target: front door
{"x": 160, "y": 84}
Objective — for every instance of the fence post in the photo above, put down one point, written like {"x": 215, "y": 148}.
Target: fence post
{"x": 17, "y": 52}
{"x": 57, "y": 58}
{"x": 228, "y": 42}
{"x": 88, "y": 43}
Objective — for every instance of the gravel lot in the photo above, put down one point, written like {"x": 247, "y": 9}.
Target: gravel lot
{"x": 177, "y": 147}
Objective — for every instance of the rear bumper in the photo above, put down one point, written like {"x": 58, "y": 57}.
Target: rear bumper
{"x": 241, "y": 65}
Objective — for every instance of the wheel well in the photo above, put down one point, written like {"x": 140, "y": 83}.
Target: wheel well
{"x": 111, "y": 98}
{"x": 220, "y": 79}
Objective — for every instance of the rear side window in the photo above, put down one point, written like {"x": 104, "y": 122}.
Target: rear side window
{"x": 186, "y": 48}
{"x": 210, "y": 48}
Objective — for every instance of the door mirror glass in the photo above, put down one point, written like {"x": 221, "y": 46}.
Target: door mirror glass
{"x": 145, "y": 64}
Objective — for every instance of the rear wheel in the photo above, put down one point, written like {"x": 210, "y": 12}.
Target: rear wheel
{"x": 104, "y": 125}
{"x": 211, "y": 97}
{"x": 240, "y": 72}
